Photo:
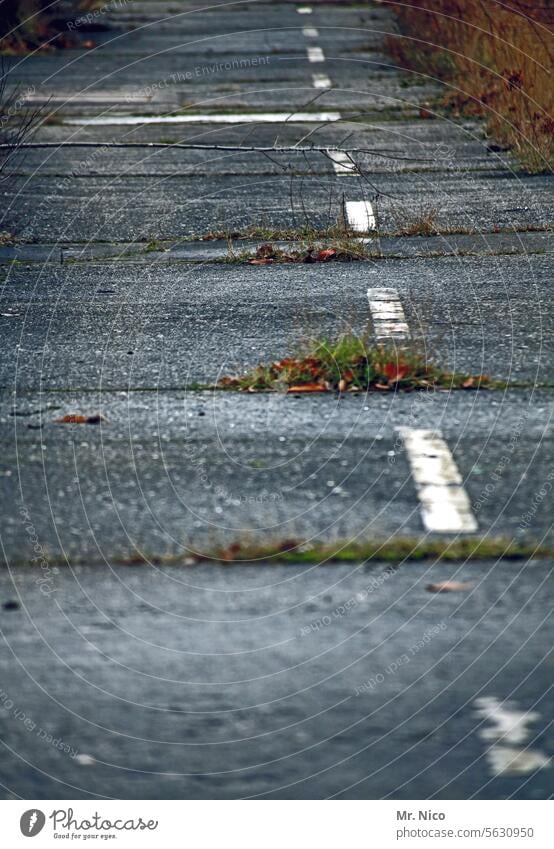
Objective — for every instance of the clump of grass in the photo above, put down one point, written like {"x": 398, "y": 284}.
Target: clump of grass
{"x": 341, "y": 249}
{"x": 306, "y": 233}
{"x": 350, "y": 363}
{"x": 497, "y": 56}
{"x": 395, "y": 550}
{"x": 425, "y": 225}
{"x": 153, "y": 246}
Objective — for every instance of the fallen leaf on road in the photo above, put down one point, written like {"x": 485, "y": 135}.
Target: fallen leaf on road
{"x": 326, "y": 255}
{"x": 308, "y": 387}
{"x": 76, "y": 418}
{"x": 449, "y": 587}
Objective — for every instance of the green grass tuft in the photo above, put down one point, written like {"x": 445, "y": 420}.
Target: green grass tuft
{"x": 351, "y": 363}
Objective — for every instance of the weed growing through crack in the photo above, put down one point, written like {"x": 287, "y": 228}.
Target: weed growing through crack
{"x": 351, "y": 363}
{"x": 402, "y": 549}
{"x": 344, "y": 248}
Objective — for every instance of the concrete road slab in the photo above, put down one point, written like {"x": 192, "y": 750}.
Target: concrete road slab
{"x": 195, "y": 470}
{"x": 92, "y": 325}
{"x": 228, "y": 682}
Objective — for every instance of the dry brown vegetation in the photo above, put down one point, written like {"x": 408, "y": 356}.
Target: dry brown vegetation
{"x": 30, "y": 24}
{"x": 496, "y": 58}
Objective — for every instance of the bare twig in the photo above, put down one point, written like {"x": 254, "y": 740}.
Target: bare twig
{"x": 222, "y": 147}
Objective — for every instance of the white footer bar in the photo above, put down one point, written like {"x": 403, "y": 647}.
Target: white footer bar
{"x": 174, "y": 824}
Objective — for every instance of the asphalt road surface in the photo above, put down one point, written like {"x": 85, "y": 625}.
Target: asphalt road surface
{"x": 203, "y": 680}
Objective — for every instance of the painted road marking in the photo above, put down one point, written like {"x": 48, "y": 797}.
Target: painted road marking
{"x": 304, "y": 10}
{"x": 321, "y": 81}
{"x": 244, "y": 118}
{"x": 316, "y": 54}
{"x": 445, "y": 507}
{"x": 310, "y": 32}
{"x": 506, "y": 723}
{"x": 360, "y": 215}
{"x": 343, "y": 164}
{"x": 387, "y": 314}
{"x": 508, "y": 731}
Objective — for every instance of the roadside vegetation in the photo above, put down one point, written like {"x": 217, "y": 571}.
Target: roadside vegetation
{"x": 496, "y": 59}
{"x": 351, "y": 363}
{"x": 343, "y": 248}
{"x": 401, "y": 549}
{"x": 17, "y": 125}
{"x": 30, "y": 24}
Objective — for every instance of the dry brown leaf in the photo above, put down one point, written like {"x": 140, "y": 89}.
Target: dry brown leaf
{"x": 77, "y": 418}
{"x": 395, "y": 371}
{"x": 308, "y": 387}
{"x": 326, "y": 255}
{"x": 449, "y": 587}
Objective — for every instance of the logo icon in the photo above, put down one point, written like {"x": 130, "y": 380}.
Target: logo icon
{"x": 32, "y": 822}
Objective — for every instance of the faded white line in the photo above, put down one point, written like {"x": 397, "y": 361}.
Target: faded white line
{"x": 508, "y": 731}
{"x": 304, "y": 10}
{"x": 360, "y": 216}
{"x": 343, "y": 164}
{"x": 445, "y": 507}
{"x": 316, "y": 54}
{"x": 321, "y": 81}
{"x": 511, "y": 761}
{"x": 506, "y": 723}
{"x": 310, "y": 32}
{"x": 387, "y": 315}
{"x": 190, "y": 118}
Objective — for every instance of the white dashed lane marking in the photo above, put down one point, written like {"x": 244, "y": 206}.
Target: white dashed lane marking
{"x": 244, "y": 118}
{"x": 321, "y": 81}
{"x": 445, "y": 507}
{"x": 310, "y": 32}
{"x": 304, "y": 10}
{"x": 507, "y": 732}
{"x": 360, "y": 215}
{"x": 387, "y": 315}
{"x": 343, "y": 164}
{"x": 316, "y": 54}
